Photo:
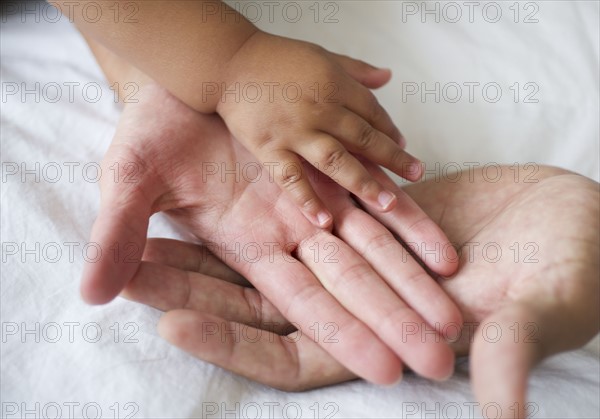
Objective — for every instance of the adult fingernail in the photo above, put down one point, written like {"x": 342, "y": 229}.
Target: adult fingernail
{"x": 448, "y": 375}
{"x": 395, "y": 383}
{"x": 386, "y": 199}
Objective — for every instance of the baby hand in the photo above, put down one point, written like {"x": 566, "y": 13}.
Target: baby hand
{"x": 286, "y": 100}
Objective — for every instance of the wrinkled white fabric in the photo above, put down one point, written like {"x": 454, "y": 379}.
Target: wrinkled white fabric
{"x": 130, "y": 370}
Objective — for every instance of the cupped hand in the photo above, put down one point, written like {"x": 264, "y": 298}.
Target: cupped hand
{"x": 289, "y": 101}
{"x": 527, "y": 286}
{"x": 166, "y": 157}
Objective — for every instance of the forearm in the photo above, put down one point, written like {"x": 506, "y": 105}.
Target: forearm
{"x": 117, "y": 70}
{"x": 180, "y": 44}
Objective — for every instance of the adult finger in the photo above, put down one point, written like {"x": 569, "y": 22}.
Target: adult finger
{"x": 419, "y": 232}
{"x": 354, "y": 283}
{"x": 314, "y": 311}
{"x": 390, "y": 260}
{"x": 506, "y": 347}
{"x": 512, "y": 340}
{"x": 289, "y": 363}
{"x": 190, "y": 257}
{"x": 119, "y": 232}
{"x": 167, "y": 288}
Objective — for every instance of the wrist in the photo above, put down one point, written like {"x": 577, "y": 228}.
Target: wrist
{"x": 118, "y": 72}
{"x": 236, "y": 69}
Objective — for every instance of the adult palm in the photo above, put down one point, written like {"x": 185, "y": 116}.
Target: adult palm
{"x": 166, "y": 157}
{"x": 527, "y": 285}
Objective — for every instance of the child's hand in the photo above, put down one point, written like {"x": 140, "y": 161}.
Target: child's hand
{"x": 286, "y": 99}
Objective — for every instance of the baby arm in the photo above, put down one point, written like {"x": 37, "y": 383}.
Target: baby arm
{"x": 303, "y": 102}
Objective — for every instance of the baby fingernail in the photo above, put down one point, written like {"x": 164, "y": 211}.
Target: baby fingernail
{"x": 402, "y": 141}
{"x": 323, "y": 218}
{"x": 386, "y": 199}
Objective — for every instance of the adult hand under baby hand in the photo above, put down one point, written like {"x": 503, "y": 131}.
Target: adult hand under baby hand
{"x": 537, "y": 297}
{"x": 359, "y": 279}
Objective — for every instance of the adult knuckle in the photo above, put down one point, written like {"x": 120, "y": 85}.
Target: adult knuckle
{"x": 418, "y": 226}
{"x": 305, "y": 297}
{"x": 379, "y": 241}
{"x": 354, "y": 275}
{"x": 416, "y": 277}
{"x": 255, "y": 305}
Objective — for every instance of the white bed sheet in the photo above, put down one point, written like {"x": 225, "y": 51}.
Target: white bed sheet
{"x": 152, "y": 379}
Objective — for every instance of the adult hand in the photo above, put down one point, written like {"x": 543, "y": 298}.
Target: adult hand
{"x": 167, "y": 157}
{"x": 528, "y": 277}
